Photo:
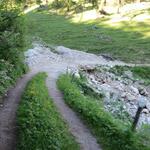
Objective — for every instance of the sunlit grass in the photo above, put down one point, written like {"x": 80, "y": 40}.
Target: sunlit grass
{"x": 40, "y": 125}
{"x": 128, "y": 41}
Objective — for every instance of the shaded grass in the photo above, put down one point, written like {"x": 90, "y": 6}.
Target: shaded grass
{"x": 110, "y": 132}
{"x": 128, "y": 41}
{"x": 40, "y": 125}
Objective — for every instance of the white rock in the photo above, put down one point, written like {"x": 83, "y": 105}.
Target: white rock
{"x": 142, "y": 101}
{"x": 77, "y": 75}
{"x": 115, "y": 96}
{"x": 123, "y": 95}
{"x": 128, "y": 74}
{"x": 146, "y": 111}
{"x": 107, "y": 95}
{"x": 119, "y": 87}
{"x": 148, "y": 105}
{"x": 135, "y": 90}
{"x": 130, "y": 97}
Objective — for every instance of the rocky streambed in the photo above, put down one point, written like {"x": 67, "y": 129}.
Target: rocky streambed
{"x": 122, "y": 92}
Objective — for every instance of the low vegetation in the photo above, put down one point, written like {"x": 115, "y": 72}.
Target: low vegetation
{"x": 40, "y": 125}
{"x": 110, "y": 132}
{"x": 11, "y": 47}
{"x": 140, "y": 73}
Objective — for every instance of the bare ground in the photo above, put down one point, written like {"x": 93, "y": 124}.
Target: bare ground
{"x": 8, "y": 126}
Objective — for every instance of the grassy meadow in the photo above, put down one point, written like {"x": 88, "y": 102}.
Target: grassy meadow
{"x": 125, "y": 40}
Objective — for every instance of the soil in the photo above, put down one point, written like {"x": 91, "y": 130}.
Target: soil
{"x": 8, "y": 126}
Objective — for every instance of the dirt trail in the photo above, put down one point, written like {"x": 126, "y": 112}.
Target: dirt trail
{"x": 76, "y": 127}
{"x": 8, "y": 128}
{"x": 41, "y": 59}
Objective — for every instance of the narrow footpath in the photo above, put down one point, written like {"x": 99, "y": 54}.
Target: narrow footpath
{"x": 76, "y": 126}
{"x": 8, "y": 126}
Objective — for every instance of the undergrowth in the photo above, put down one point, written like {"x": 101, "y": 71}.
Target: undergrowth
{"x": 113, "y": 134}
{"x": 11, "y": 47}
{"x": 40, "y": 125}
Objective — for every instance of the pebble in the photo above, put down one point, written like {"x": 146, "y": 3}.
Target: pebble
{"x": 135, "y": 90}
{"x": 146, "y": 111}
{"x": 143, "y": 92}
{"x": 77, "y": 75}
{"x": 121, "y": 89}
{"x": 130, "y": 97}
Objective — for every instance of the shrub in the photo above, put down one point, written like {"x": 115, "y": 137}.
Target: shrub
{"x": 11, "y": 35}
{"x": 5, "y": 80}
{"x": 11, "y": 46}
{"x": 57, "y": 4}
{"x": 40, "y": 126}
{"x": 111, "y": 133}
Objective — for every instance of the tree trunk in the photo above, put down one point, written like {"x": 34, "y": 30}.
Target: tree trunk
{"x": 120, "y": 4}
{"x": 102, "y": 4}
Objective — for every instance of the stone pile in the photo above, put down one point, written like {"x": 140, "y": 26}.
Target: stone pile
{"x": 121, "y": 93}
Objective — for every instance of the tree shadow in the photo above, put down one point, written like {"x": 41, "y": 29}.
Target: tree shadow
{"x": 127, "y": 41}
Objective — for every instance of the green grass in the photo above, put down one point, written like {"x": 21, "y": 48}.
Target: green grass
{"x": 111, "y": 133}
{"x": 40, "y": 125}
{"x": 128, "y": 41}
{"x": 141, "y": 73}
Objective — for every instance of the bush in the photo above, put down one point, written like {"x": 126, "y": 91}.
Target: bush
{"x": 57, "y": 4}
{"x": 11, "y": 35}
{"x": 111, "y": 133}
{"x": 5, "y": 80}
{"x": 11, "y": 46}
{"x": 40, "y": 126}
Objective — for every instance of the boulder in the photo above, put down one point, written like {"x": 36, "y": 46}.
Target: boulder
{"x": 143, "y": 91}
{"x": 146, "y": 111}
{"x": 130, "y": 97}
{"x": 134, "y": 90}
{"x": 76, "y": 75}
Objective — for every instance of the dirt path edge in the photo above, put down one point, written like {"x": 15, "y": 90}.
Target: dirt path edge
{"x": 8, "y": 120}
